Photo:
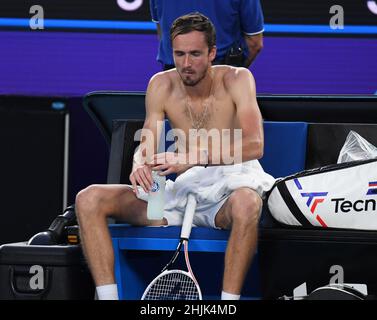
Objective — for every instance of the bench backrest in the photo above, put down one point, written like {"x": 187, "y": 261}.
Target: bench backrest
{"x": 284, "y": 148}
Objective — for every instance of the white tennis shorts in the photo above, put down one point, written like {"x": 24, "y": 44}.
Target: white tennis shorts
{"x": 204, "y": 215}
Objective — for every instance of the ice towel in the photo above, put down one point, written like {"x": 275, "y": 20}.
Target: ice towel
{"x": 212, "y": 184}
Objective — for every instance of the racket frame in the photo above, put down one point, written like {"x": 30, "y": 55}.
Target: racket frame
{"x": 184, "y": 239}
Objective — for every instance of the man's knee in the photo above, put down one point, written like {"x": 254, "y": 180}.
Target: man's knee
{"x": 245, "y": 206}
{"x": 88, "y": 199}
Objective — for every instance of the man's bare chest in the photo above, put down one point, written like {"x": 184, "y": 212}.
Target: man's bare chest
{"x": 217, "y": 114}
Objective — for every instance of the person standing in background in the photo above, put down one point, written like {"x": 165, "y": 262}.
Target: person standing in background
{"x": 239, "y": 25}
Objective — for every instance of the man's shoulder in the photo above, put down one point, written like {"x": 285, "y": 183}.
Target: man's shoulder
{"x": 162, "y": 81}
{"x": 233, "y": 75}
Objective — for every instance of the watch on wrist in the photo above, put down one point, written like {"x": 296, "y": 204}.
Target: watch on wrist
{"x": 206, "y": 155}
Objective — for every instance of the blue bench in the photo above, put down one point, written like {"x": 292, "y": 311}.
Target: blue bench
{"x": 141, "y": 252}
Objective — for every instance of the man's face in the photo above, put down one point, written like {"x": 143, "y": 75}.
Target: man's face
{"x": 191, "y": 57}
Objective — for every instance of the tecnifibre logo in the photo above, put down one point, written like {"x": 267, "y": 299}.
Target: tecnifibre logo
{"x": 372, "y": 188}
{"x": 360, "y": 205}
{"x": 341, "y": 205}
{"x": 314, "y": 198}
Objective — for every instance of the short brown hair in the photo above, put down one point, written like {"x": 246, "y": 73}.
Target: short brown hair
{"x": 194, "y": 21}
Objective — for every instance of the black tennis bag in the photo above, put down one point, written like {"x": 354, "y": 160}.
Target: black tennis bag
{"x": 336, "y": 292}
{"x": 332, "y": 291}
{"x": 336, "y": 196}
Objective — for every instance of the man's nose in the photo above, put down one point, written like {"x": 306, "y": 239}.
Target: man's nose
{"x": 187, "y": 61}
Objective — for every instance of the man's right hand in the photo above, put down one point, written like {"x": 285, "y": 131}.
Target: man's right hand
{"x": 141, "y": 175}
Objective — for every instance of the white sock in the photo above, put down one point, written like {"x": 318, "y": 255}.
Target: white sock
{"x": 229, "y": 296}
{"x": 107, "y": 292}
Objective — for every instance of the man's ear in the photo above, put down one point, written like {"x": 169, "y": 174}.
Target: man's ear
{"x": 212, "y": 53}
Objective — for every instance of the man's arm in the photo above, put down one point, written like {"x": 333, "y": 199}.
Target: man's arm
{"x": 249, "y": 119}
{"x": 252, "y": 26}
{"x": 158, "y": 31}
{"x": 241, "y": 86}
{"x": 151, "y": 132}
{"x": 255, "y": 45}
{"x": 154, "y": 15}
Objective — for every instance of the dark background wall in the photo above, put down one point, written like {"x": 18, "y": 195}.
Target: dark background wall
{"x": 88, "y": 151}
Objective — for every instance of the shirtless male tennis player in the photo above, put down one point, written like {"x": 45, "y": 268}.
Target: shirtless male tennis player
{"x": 195, "y": 95}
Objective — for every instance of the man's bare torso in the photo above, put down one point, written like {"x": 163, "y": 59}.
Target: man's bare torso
{"x": 220, "y": 112}
{"x": 221, "y": 109}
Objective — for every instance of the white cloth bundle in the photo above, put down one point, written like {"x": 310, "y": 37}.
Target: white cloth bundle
{"x": 212, "y": 184}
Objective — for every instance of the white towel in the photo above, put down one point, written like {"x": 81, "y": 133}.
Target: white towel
{"x": 212, "y": 184}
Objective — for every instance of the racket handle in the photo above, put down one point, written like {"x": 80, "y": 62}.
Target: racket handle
{"x": 189, "y": 216}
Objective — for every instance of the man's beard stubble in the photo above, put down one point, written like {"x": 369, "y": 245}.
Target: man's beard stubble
{"x": 191, "y": 82}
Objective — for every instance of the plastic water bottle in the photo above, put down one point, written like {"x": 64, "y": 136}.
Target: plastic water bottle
{"x": 156, "y": 197}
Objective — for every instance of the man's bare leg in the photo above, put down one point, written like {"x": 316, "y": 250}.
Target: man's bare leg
{"x": 240, "y": 213}
{"x": 93, "y": 206}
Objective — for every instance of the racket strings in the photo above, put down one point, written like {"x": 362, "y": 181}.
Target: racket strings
{"x": 173, "y": 286}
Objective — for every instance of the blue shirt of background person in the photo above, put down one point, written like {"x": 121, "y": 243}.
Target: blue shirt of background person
{"x": 236, "y": 21}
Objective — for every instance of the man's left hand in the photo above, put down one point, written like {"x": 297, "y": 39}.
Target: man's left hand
{"x": 170, "y": 162}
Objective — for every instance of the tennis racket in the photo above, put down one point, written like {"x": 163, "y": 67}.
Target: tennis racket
{"x": 177, "y": 284}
